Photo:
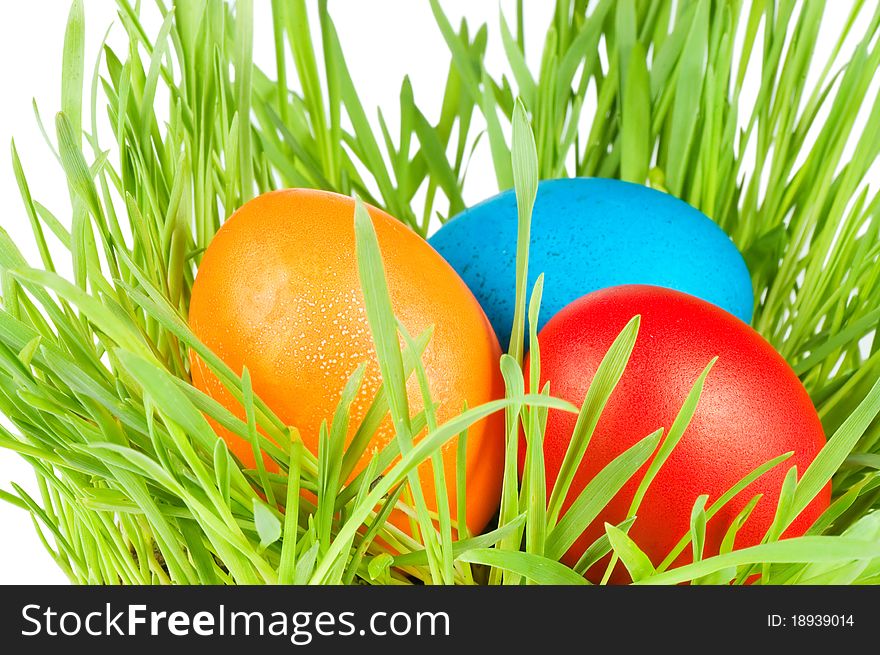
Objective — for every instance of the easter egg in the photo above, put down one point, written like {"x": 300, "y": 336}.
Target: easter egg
{"x": 589, "y": 234}
{"x": 752, "y": 409}
{"x": 278, "y": 292}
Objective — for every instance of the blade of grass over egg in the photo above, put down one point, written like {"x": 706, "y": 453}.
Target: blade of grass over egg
{"x": 440, "y": 489}
{"x": 382, "y": 322}
{"x": 783, "y": 514}
{"x": 599, "y": 548}
{"x": 250, "y": 412}
{"x": 729, "y": 540}
{"x": 371, "y": 475}
{"x": 330, "y": 449}
{"x": 598, "y": 493}
{"x": 633, "y": 558}
{"x": 385, "y": 458}
{"x": 510, "y": 492}
{"x": 461, "y": 482}
{"x": 379, "y": 407}
{"x": 534, "y": 346}
{"x": 534, "y": 474}
{"x": 607, "y": 376}
{"x": 323, "y": 519}
{"x": 524, "y": 160}
{"x": 722, "y": 501}
{"x": 780, "y": 520}
{"x": 383, "y": 327}
{"x": 419, "y": 453}
{"x": 726, "y": 575}
{"x": 535, "y": 488}
{"x": 673, "y": 436}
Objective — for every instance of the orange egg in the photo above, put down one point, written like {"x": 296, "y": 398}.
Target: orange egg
{"x": 278, "y": 291}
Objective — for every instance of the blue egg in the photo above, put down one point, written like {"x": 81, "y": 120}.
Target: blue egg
{"x": 589, "y": 234}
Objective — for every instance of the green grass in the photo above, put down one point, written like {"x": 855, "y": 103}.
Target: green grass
{"x": 134, "y": 487}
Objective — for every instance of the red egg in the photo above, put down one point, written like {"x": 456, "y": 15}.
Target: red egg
{"x": 752, "y": 409}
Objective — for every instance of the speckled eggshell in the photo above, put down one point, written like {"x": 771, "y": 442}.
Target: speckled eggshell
{"x": 278, "y": 291}
{"x": 589, "y": 234}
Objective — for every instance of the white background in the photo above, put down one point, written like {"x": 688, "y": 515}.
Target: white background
{"x": 383, "y": 40}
